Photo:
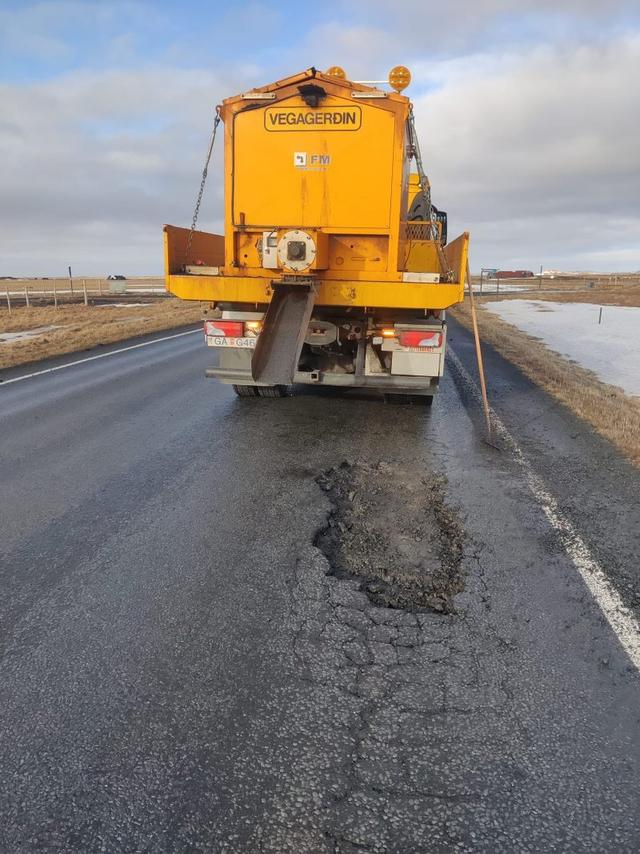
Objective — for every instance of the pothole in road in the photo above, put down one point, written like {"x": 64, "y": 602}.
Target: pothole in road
{"x": 392, "y": 528}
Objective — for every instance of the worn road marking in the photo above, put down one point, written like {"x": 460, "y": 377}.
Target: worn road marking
{"x": 99, "y": 356}
{"x": 619, "y": 617}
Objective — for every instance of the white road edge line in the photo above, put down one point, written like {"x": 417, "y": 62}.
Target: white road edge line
{"x": 99, "y": 356}
{"x": 619, "y": 617}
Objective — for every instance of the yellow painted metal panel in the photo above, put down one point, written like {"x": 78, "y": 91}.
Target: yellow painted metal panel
{"x": 302, "y": 175}
{"x": 354, "y": 252}
{"x": 457, "y": 253}
{"x": 207, "y": 249}
{"x": 354, "y": 293}
{"x": 288, "y": 109}
{"x": 422, "y": 257}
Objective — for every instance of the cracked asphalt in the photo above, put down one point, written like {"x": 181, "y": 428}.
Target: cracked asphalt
{"x": 179, "y": 670}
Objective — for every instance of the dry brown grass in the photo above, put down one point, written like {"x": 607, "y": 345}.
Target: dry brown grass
{"x": 615, "y": 415}
{"x": 604, "y": 294}
{"x": 84, "y": 327}
{"x": 565, "y": 282}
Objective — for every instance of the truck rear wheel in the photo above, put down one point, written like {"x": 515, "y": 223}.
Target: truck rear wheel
{"x": 246, "y": 390}
{"x": 423, "y": 399}
{"x": 272, "y": 390}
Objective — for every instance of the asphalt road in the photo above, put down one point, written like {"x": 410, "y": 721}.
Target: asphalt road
{"x": 179, "y": 672}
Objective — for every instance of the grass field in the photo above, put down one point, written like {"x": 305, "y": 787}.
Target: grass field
{"x": 600, "y": 293}
{"x": 564, "y": 282}
{"x": 79, "y": 327}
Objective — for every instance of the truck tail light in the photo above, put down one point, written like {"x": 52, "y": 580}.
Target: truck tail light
{"x": 427, "y": 340}
{"x": 223, "y": 328}
{"x": 252, "y": 327}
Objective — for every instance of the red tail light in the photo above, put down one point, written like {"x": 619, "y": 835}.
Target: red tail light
{"x": 414, "y": 338}
{"x": 224, "y": 328}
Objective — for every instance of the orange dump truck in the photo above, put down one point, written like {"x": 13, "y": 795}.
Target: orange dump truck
{"x": 334, "y": 267}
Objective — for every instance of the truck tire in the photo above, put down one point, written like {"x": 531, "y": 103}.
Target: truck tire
{"x": 424, "y": 399}
{"x": 402, "y": 399}
{"x": 272, "y": 391}
{"x": 246, "y": 390}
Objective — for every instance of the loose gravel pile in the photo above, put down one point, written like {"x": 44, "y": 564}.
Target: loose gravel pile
{"x": 392, "y": 528}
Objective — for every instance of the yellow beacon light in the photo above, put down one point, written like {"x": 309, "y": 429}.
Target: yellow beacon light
{"x": 399, "y": 78}
{"x": 336, "y": 71}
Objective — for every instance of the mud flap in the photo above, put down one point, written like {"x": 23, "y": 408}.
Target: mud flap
{"x": 275, "y": 358}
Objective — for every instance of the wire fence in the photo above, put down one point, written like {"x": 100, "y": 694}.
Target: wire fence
{"x": 554, "y": 284}
{"x": 30, "y": 293}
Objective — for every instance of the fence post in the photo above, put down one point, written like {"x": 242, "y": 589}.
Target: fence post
{"x": 70, "y": 281}
{"x": 55, "y": 293}
{"x": 84, "y": 289}
{"x": 26, "y": 295}
{"x": 8, "y": 299}
{"x": 100, "y": 286}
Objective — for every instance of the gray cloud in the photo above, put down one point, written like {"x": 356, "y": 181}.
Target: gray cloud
{"x": 539, "y": 155}
{"x": 95, "y": 163}
{"x": 386, "y": 33}
{"x": 530, "y": 145}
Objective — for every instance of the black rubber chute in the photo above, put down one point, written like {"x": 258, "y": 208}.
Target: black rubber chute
{"x": 275, "y": 359}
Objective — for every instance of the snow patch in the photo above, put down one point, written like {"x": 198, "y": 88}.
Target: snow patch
{"x": 607, "y": 344}
{"x": 493, "y": 286}
{"x": 9, "y": 337}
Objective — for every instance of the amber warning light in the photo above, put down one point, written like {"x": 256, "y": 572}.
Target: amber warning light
{"x": 399, "y": 78}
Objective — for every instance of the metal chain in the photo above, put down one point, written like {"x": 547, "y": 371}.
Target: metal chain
{"x": 196, "y": 211}
{"x": 425, "y": 189}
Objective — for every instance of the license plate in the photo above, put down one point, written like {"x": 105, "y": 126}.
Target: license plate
{"x": 223, "y": 341}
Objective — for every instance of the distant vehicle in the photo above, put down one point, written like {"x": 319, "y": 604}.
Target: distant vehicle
{"x": 113, "y": 278}
{"x": 514, "y": 274}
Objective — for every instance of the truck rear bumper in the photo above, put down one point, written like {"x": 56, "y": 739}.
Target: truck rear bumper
{"x": 387, "y": 383}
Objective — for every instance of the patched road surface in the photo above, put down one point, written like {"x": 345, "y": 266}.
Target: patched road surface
{"x": 316, "y": 624}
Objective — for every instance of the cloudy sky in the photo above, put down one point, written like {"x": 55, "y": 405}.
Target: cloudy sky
{"x": 528, "y": 111}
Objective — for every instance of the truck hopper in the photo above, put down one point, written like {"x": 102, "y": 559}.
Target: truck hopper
{"x": 334, "y": 266}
